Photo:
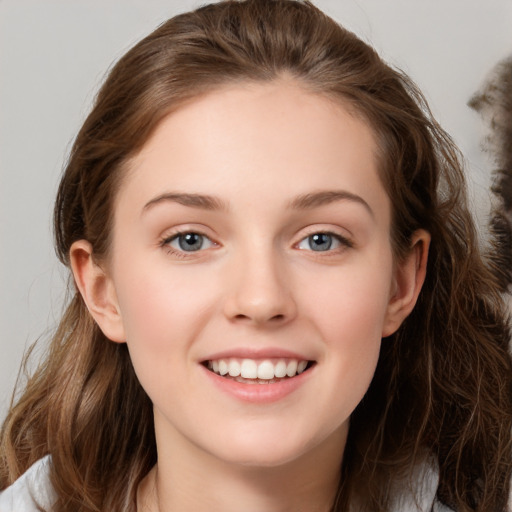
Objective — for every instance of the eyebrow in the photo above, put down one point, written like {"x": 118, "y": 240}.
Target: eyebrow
{"x": 302, "y": 202}
{"x": 324, "y": 197}
{"x": 204, "y": 202}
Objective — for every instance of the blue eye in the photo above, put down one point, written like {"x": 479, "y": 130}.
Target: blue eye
{"x": 321, "y": 242}
{"x": 189, "y": 242}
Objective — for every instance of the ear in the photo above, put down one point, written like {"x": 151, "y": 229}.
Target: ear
{"x": 409, "y": 278}
{"x": 97, "y": 290}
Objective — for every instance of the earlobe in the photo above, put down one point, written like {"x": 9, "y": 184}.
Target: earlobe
{"x": 409, "y": 278}
{"x": 97, "y": 290}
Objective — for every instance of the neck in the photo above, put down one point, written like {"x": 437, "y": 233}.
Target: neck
{"x": 190, "y": 484}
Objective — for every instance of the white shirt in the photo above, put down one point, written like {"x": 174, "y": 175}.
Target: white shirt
{"x": 33, "y": 489}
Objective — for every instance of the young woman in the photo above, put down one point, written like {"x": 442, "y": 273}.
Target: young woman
{"x": 280, "y": 303}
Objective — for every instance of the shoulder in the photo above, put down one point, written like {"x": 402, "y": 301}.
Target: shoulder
{"x": 419, "y": 493}
{"x": 31, "y": 492}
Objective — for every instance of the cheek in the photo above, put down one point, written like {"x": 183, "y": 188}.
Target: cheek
{"x": 159, "y": 302}
{"x": 352, "y": 331}
{"x": 351, "y": 304}
{"x": 350, "y": 314}
{"x": 159, "y": 315}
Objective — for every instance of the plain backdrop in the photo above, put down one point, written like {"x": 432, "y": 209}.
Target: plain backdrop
{"x": 54, "y": 54}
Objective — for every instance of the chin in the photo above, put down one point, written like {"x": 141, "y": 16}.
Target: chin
{"x": 254, "y": 459}
{"x": 269, "y": 448}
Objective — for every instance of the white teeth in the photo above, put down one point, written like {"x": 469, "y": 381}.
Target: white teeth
{"x": 249, "y": 369}
{"x": 234, "y": 368}
{"x": 223, "y": 367}
{"x": 280, "y": 369}
{"x": 265, "y": 370}
{"x": 291, "y": 368}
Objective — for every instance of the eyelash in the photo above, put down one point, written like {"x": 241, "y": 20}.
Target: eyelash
{"x": 342, "y": 240}
{"x": 165, "y": 243}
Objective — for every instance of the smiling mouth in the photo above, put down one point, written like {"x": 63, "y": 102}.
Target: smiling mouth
{"x": 251, "y": 371}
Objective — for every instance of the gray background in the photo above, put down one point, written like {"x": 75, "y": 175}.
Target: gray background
{"x": 53, "y": 56}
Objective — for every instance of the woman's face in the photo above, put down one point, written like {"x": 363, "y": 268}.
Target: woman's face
{"x": 252, "y": 235}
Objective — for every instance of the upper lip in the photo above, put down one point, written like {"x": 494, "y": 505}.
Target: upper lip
{"x": 257, "y": 353}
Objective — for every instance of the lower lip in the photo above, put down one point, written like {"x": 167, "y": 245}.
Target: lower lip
{"x": 258, "y": 393}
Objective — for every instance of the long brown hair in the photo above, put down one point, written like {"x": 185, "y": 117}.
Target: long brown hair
{"x": 442, "y": 391}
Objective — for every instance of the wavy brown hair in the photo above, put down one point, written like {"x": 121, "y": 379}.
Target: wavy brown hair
{"x": 442, "y": 392}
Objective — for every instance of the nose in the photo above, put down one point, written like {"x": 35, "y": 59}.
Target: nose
{"x": 260, "y": 292}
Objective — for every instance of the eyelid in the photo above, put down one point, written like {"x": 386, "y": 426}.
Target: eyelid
{"x": 344, "y": 241}
{"x": 169, "y": 236}
{"x": 339, "y": 240}
{"x": 178, "y": 235}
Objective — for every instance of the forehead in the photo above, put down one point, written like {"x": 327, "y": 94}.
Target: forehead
{"x": 255, "y": 133}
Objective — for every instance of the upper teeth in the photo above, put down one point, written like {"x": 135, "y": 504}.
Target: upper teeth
{"x": 251, "y": 369}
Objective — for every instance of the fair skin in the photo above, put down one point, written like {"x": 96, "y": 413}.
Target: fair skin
{"x": 287, "y": 263}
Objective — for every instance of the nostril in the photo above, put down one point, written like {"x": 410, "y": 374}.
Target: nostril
{"x": 275, "y": 318}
